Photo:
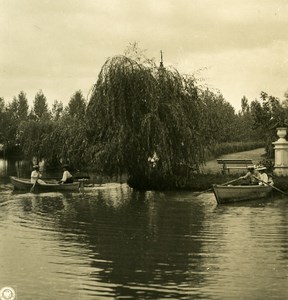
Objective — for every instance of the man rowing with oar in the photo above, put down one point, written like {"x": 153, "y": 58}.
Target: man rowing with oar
{"x": 252, "y": 176}
{"x": 36, "y": 175}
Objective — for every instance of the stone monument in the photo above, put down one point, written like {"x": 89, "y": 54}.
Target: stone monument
{"x": 281, "y": 153}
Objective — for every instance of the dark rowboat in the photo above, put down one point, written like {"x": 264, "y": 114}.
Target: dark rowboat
{"x": 236, "y": 193}
{"x": 25, "y": 184}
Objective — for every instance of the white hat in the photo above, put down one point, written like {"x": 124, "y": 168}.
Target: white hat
{"x": 251, "y": 167}
{"x": 261, "y": 168}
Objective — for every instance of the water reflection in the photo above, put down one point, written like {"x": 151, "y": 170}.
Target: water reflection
{"x": 14, "y": 167}
{"x": 114, "y": 243}
{"x": 3, "y": 167}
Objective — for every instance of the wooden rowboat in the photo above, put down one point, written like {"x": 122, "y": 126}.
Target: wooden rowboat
{"x": 25, "y": 184}
{"x": 236, "y": 193}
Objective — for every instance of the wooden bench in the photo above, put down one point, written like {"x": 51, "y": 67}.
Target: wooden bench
{"x": 228, "y": 164}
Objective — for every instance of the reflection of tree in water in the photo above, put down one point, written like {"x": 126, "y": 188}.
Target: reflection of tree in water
{"x": 142, "y": 244}
{"x": 38, "y": 203}
{"x": 20, "y": 168}
{"x": 140, "y": 240}
{"x": 154, "y": 246}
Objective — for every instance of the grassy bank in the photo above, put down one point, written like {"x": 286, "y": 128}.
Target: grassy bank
{"x": 233, "y": 147}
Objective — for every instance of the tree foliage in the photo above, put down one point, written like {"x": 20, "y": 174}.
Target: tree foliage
{"x": 262, "y": 117}
{"x": 36, "y": 140}
{"x": 59, "y": 139}
{"x": 136, "y": 110}
{"x": 57, "y": 110}
{"x": 3, "y": 120}
{"x": 40, "y": 108}
{"x": 268, "y": 114}
{"x": 219, "y": 118}
{"x": 15, "y": 113}
{"x": 152, "y": 123}
{"x": 77, "y": 106}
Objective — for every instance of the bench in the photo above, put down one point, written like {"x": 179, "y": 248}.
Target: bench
{"x": 228, "y": 164}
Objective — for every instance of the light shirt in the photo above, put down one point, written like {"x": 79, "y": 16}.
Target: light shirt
{"x": 35, "y": 175}
{"x": 263, "y": 177}
{"x": 66, "y": 175}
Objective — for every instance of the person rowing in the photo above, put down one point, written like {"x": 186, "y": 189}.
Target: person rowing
{"x": 252, "y": 177}
{"x": 36, "y": 175}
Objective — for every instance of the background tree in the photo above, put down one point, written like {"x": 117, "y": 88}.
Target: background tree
{"x": 59, "y": 139}
{"x": 57, "y": 110}
{"x": 245, "y": 129}
{"x": 245, "y": 108}
{"x": 3, "y": 123}
{"x": 40, "y": 108}
{"x": 36, "y": 139}
{"x": 219, "y": 118}
{"x": 69, "y": 142}
{"x": 69, "y": 135}
{"x": 2, "y": 105}
{"x": 35, "y": 132}
{"x": 77, "y": 106}
{"x": 18, "y": 108}
{"x": 16, "y": 112}
{"x": 268, "y": 114}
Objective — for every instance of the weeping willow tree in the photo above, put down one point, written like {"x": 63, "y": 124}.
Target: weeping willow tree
{"x": 145, "y": 122}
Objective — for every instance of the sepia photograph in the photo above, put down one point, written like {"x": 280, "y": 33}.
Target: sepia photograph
{"x": 143, "y": 149}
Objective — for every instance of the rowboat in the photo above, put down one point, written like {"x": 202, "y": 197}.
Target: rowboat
{"x": 236, "y": 193}
{"x": 26, "y": 184}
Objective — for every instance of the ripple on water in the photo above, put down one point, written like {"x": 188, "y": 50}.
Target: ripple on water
{"x": 115, "y": 243}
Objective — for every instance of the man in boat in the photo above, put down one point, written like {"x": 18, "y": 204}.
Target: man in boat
{"x": 252, "y": 177}
{"x": 67, "y": 177}
{"x": 36, "y": 175}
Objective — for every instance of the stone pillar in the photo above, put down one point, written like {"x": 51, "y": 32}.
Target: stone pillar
{"x": 281, "y": 153}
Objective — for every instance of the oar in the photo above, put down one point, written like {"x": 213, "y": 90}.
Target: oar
{"x": 273, "y": 187}
{"x": 234, "y": 180}
{"x": 81, "y": 186}
{"x": 231, "y": 181}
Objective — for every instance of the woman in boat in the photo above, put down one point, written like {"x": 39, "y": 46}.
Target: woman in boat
{"x": 36, "y": 175}
{"x": 265, "y": 179}
{"x": 67, "y": 177}
{"x": 252, "y": 177}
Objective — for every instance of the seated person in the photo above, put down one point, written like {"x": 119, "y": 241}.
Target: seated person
{"x": 251, "y": 176}
{"x": 263, "y": 176}
{"x": 67, "y": 177}
{"x": 36, "y": 175}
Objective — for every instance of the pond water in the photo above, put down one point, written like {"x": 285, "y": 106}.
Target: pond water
{"x": 115, "y": 243}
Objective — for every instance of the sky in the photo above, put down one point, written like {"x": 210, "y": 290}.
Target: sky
{"x": 238, "y": 48}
